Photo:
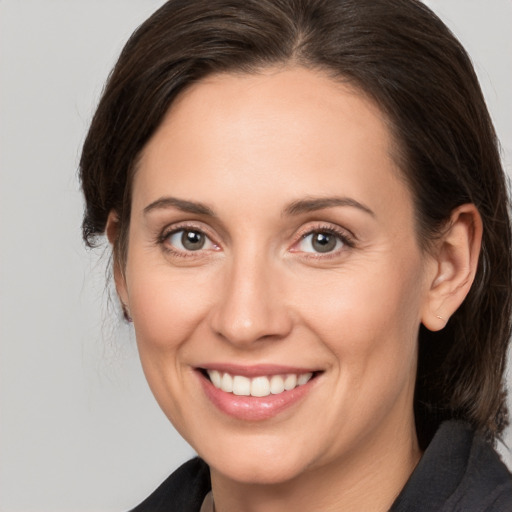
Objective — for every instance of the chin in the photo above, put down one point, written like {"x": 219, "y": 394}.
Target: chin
{"x": 259, "y": 473}
{"x": 259, "y": 466}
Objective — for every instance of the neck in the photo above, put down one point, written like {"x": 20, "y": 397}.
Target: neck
{"x": 369, "y": 478}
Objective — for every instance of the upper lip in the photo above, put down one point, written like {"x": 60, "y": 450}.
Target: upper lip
{"x": 256, "y": 370}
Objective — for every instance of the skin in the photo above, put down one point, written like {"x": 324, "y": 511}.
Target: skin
{"x": 258, "y": 293}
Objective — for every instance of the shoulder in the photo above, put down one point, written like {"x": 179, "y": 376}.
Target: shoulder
{"x": 183, "y": 491}
{"x": 459, "y": 472}
{"x": 487, "y": 480}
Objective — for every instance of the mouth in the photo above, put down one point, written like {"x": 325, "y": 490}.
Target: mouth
{"x": 256, "y": 393}
{"x": 258, "y": 386}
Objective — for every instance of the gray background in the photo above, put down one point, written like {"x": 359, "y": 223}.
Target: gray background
{"x": 79, "y": 429}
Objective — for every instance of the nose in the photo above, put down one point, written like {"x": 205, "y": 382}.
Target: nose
{"x": 251, "y": 305}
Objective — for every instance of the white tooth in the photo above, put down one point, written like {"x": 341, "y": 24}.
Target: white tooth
{"x": 303, "y": 378}
{"x": 215, "y": 378}
{"x": 276, "y": 384}
{"x": 227, "y": 383}
{"x": 290, "y": 381}
{"x": 241, "y": 385}
{"x": 260, "y": 386}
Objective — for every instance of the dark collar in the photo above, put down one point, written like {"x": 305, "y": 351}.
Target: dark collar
{"x": 459, "y": 471}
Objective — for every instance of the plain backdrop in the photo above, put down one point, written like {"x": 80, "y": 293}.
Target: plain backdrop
{"x": 79, "y": 429}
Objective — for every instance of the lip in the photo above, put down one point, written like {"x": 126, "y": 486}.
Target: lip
{"x": 249, "y": 408}
{"x": 256, "y": 370}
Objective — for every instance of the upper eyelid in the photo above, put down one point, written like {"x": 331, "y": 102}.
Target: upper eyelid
{"x": 166, "y": 232}
{"x": 185, "y": 226}
{"x": 348, "y": 240}
{"x": 338, "y": 234}
{"x": 216, "y": 231}
{"x": 327, "y": 227}
{"x": 177, "y": 231}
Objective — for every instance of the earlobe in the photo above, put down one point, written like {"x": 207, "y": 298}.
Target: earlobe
{"x": 111, "y": 228}
{"x": 112, "y": 232}
{"x": 456, "y": 260}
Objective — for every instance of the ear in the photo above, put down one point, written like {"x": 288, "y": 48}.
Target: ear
{"x": 112, "y": 231}
{"x": 455, "y": 264}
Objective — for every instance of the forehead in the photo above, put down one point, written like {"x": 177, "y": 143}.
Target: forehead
{"x": 290, "y": 131}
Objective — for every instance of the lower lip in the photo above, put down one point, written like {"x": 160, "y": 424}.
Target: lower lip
{"x": 251, "y": 408}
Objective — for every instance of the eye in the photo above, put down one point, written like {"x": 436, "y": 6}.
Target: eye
{"x": 187, "y": 240}
{"x": 320, "y": 242}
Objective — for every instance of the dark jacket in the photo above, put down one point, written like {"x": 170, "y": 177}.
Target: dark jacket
{"x": 459, "y": 472}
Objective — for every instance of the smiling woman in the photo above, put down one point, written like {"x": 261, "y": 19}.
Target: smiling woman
{"x": 312, "y": 241}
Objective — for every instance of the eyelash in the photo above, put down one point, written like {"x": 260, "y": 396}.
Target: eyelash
{"x": 166, "y": 233}
{"x": 346, "y": 238}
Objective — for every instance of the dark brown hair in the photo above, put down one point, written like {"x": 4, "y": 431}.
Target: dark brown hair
{"x": 400, "y": 54}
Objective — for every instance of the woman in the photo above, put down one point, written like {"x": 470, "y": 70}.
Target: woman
{"x": 310, "y": 234}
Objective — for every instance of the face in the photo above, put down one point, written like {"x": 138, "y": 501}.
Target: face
{"x": 274, "y": 276}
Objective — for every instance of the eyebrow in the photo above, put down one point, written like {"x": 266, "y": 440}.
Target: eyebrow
{"x": 294, "y": 208}
{"x": 314, "y": 204}
{"x": 180, "y": 204}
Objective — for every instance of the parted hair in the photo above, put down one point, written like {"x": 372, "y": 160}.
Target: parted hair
{"x": 401, "y": 55}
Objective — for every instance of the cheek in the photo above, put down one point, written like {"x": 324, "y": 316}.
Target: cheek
{"x": 368, "y": 317}
{"x": 369, "y": 322}
{"x": 166, "y": 305}
{"x": 167, "y": 308}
